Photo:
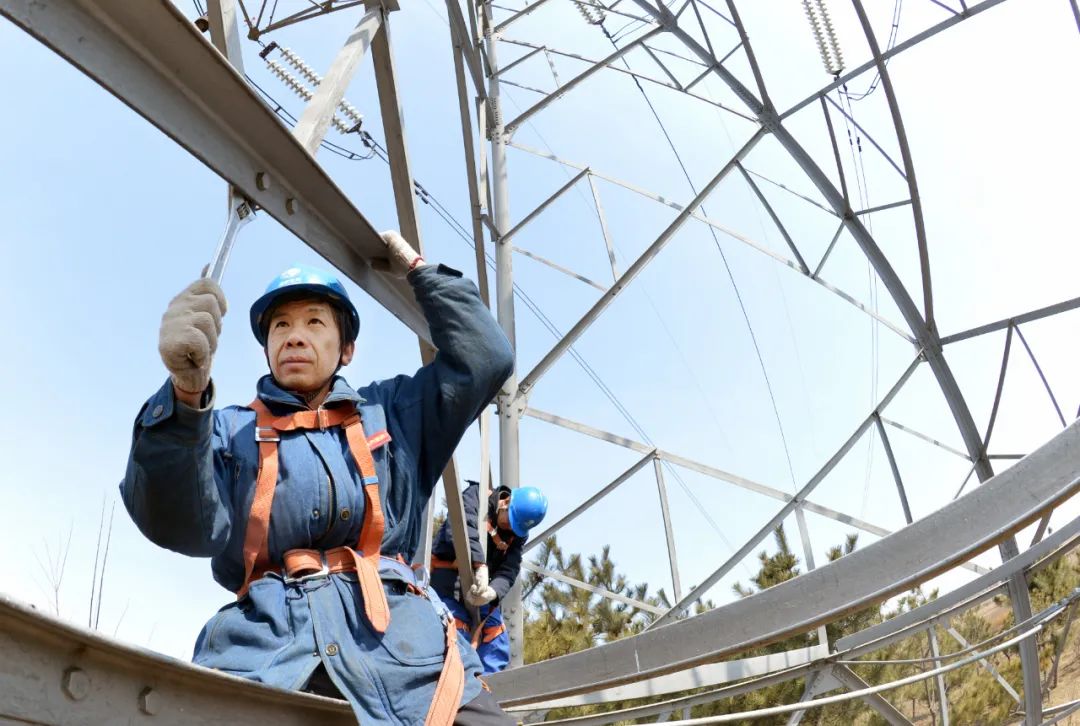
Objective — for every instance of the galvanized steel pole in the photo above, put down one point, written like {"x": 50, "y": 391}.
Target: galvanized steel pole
{"x": 509, "y": 408}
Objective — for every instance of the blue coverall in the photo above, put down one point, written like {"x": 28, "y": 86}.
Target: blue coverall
{"x": 504, "y": 565}
{"x": 190, "y": 482}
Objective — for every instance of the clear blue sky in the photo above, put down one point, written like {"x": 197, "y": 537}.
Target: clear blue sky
{"x": 105, "y": 220}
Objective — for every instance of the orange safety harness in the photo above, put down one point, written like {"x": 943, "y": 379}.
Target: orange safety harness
{"x": 364, "y": 559}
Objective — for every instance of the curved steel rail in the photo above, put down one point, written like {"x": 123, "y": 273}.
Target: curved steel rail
{"x": 964, "y": 528}
{"x": 52, "y": 672}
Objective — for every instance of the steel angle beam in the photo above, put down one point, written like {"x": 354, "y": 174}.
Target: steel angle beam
{"x": 153, "y": 59}
{"x": 966, "y": 596}
{"x": 707, "y": 470}
{"x": 884, "y": 708}
{"x": 643, "y": 260}
{"x": 1027, "y": 317}
{"x": 962, "y": 529}
{"x": 826, "y": 682}
{"x": 315, "y": 120}
{"x": 602, "y": 592}
{"x": 701, "y": 677}
{"x": 55, "y": 672}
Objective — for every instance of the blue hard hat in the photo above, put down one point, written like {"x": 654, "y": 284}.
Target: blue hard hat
{"x": 528, "y": 505}
{"x": 304, "y": 279}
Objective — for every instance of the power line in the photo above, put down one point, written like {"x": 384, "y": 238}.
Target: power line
{"x": 535, "y": 309}
{"x": 863, "y": 191}
{"x": 723, "y": 257}
{"x": 893, "y": 33}
{"x": 367, "y": 139}
{"x": 626, "y": 415}
{"x": 634, "y": 25}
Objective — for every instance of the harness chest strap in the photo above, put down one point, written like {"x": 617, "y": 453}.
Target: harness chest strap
{"x": 256, "y": 538}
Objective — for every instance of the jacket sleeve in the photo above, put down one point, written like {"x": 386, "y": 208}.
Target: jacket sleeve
{"x": 177, "y": 476}
{"x": 503, "y": 578}
{"x": 473, "y": 360}
{"x": 443, "y": 544}
{"x": 471, "y": 500}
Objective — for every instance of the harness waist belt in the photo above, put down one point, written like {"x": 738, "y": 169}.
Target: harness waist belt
{"x": 300, "y": 565}
{"x": 304, "y": 564}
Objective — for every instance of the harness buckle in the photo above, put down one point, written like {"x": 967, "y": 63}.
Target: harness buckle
{"x": 323, "y": 571}
{"x": 266, "y": 434}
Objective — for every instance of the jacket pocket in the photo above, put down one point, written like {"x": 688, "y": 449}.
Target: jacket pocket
{"x": 244, "y": 635}
{"x": 210, "y": 640}
{"x": 416, "y": 635}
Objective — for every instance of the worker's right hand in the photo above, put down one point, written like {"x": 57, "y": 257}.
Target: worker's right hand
{"x": 403, "y": 257}
{"x": 189, "y": 333}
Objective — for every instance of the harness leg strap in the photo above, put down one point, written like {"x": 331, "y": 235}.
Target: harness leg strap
{"x": 376, "y": 609}
{"x": 444, "y": 706}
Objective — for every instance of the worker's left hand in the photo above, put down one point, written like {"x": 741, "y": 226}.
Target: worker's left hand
{"x": 480, "y": 578}
{"x": 403, "y": 257}
{"x": 477, "y": 596}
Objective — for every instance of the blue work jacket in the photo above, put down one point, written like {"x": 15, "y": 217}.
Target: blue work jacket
{"x": 190, "y": 481}
{"x": 503, "y": 566}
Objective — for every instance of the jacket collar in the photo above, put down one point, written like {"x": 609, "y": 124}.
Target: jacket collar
{"x": 271, "y": 393}
{"x": 493, "y": 506}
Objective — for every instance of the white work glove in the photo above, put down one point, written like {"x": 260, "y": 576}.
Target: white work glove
{"x": 481, "y": 593}
{"x": 189, "y": 333}
{"x": 403, "y": 258}
{"x": 480, "y": 577}
{"x": 479, "y": 596}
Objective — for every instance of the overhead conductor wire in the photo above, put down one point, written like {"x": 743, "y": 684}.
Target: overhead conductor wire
{"x": 723, "y": 257}
{"x": 832, "y": 58}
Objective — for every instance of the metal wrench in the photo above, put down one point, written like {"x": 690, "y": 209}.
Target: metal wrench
{"x": 241, "y": 211}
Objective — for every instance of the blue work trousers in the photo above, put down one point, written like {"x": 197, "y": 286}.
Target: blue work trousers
{"x": 492, "y": 644}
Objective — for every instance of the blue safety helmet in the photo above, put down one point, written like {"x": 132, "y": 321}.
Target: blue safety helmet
{"x": 304, "y": 279}
{"x": 528, "y": 505}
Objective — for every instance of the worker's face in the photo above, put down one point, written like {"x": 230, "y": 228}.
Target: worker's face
{"x": 502, "y": 514}
{"x": 303, "y": 345}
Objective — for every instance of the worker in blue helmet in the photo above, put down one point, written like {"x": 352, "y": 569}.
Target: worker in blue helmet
{"x": 506, "y": 519}
{"x": 310, "y": 499}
